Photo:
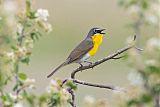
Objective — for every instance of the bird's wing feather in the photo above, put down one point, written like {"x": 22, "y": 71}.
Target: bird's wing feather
{"x": 84, "y": 47}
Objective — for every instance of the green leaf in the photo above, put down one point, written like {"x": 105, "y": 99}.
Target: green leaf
{"x": 156, "y": 88}
{"x": 145, "y": 4}
{"x": 28, "y": 7}
{"x": 55, "y": 100}
{"x": 30, "y": 98}
{"x": 132, "y": 102}
{"x": 71, "y": 84}
{"x": 146, "y": 98}
{"x": 35, "y": 36}
{"x": 29, "y": 12}
{"x": 3, "y": 97}
{"x": 15, "y": 87}
{"x": 43, "y": 98}
{"x": 25, "y": 60}
{"x": 22, "y": 76}
{"x": 153, "y": 69}
{"x": 29, "y": 23}
{"x": 32, "y": 15}
{"x": 38, "y": 33}
{"x": 121, "y": 2}
{"x": 14, "y": 48}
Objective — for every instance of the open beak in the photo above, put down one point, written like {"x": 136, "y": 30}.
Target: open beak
{"x": 102, "y": 31}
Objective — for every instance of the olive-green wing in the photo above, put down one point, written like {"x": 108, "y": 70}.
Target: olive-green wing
{"x": 84, "y": 47}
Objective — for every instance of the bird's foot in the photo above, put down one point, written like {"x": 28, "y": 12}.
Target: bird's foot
{"x": 90, "y": 64}
{"x": 81, "y": 66}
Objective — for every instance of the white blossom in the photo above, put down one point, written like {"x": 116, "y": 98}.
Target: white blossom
{"x": 151, "y": 62}
{"x": 18, "y": 105}
{"x": 65, "y": 95}
{"x": 13, "y": 96}
{"x": 0, "y": 18}
{"x": 28, "y": 43}
{"x": 42, "y": 14}
{"x": 22, "y": 51}
{"x": 54, "y": 83}
{"x": 153, "y": 43}
{"x": 10, "y": 55}
{"x": 45, "y": 25}
{"x": 29, "y": 83}
{"x": 135, "y": 78}
{"x": 48, "y": 27}
{"x": 53, "y": 86}
{"x": 19, "y": 28}
{"x": 7, "y": 103}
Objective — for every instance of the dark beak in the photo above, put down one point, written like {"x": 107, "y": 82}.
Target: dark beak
{"x": 102, "y": 31}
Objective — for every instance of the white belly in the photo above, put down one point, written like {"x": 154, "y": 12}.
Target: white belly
{"x": 84, "y": 58}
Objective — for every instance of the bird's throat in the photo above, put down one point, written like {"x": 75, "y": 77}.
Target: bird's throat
{"x": 97, "y": 40}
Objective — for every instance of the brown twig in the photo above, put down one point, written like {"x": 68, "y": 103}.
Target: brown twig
{"x": 110, "y": 87}
{"x": 157, "y": 101}
{"x": 73, "y": 97}
{"x": 112, "y": 56}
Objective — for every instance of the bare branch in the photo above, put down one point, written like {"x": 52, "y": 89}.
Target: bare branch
{"x": 110, "y": 87}
{"x": 112, "y": 56}
{"x": 157, "y": 101}
{"x": 139, "y": 49}
{"x": 118, "y": 57}
{"x": 73, "y": 97}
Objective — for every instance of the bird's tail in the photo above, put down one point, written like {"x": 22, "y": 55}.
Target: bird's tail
{"x": 56, "y": 69}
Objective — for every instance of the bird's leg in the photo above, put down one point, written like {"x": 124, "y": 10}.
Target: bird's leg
{"x": 81, "y": 65}
{"x": 88, "y": 62}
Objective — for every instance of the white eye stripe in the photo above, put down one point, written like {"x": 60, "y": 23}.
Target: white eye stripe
{"x": 95, "y": 30}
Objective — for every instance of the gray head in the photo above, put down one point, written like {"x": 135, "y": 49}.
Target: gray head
{"x": 94, "y": 31}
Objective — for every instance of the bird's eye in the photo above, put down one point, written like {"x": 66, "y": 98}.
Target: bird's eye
{"x": 95, "y": 31}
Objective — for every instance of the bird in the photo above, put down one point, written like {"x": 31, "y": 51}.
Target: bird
{"x": 84, "y": 50}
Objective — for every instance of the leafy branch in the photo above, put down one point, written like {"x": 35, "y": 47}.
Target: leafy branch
{"x": 16, "y": 48}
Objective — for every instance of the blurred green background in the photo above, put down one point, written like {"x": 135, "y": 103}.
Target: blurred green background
{"x": 71, "y": 20}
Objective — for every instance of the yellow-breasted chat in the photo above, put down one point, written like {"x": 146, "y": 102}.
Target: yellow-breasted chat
{"x": 86, "y": 49}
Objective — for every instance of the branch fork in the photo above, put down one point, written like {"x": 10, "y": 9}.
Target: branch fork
{"x": 112, "y": 56}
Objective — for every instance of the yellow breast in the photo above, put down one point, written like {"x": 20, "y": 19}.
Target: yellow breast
{"x": 97, "y": 40}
